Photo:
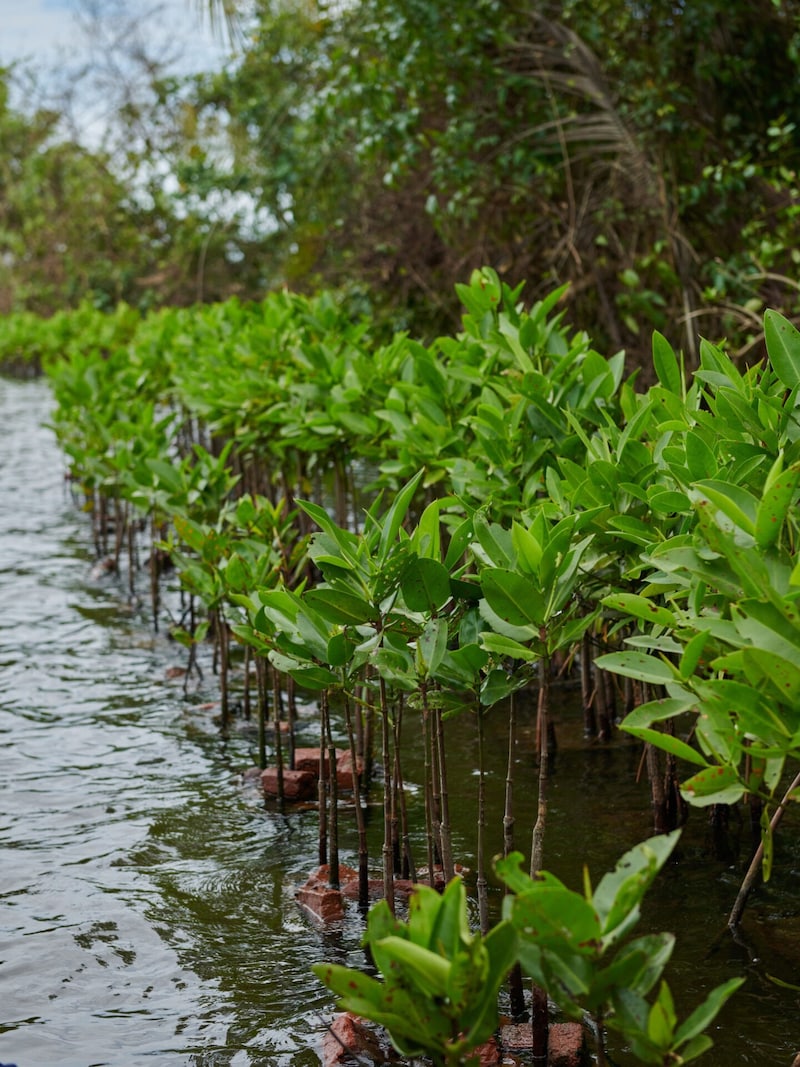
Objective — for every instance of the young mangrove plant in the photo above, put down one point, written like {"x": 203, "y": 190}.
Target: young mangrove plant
{"x": 575, "y": 947}
{"x": 438, "y": 994}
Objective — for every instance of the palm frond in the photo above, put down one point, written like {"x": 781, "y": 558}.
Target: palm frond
{"x": 223, "y": 16}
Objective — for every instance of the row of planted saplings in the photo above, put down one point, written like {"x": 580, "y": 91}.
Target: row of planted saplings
{"x": 551, "y": 436}
{"x": 387, "y": 632}
{"x": 457, "y": 610}
{"x": 396, "y": 619}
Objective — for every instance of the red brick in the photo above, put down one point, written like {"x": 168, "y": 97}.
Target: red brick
{"x": 297, "y": 785}
{"x": 307, "y": 759}
{"x": 344, "y": 770}
{"x": 567, "y": 1046}
{"x": 348, "y": 1036}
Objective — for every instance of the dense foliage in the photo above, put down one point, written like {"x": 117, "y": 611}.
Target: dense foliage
{"x": 412, "y": 529}
{"x": 647, "y": 153}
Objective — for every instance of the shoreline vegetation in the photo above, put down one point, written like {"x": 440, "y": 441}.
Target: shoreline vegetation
{"x": 423, "y": 530}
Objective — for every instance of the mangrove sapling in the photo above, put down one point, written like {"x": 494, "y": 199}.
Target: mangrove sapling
{"x": 387, "y": 854}
{"x": 446, "y": 837}
{"x": 404, "y": 859}
{"x": 528, "y": 578}
{"x": 575, "y": 946}
{"x": 735, "y": 632}
{"x": 438, "y": 994}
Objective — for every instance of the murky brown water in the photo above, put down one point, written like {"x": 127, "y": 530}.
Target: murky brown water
{"x": 146, "y": 909}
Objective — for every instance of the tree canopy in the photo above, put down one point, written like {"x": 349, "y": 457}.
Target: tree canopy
{"x": 645, "y": 153}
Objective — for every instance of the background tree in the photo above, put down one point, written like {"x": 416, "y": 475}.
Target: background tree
{"x": 644, "y": 152}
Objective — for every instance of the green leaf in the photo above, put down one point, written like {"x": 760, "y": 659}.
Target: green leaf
{"x": 692, "y": 654}
{"x": 661, "y": 1020}
{"x": 528, "y": 549}
{"x": 736, "y": 503}
{"x": 498, "y": 685}
{"x": 427, "y": 970}
{"x": 667, "y": 743}
{"x": 494, "y": 544}
{"x": 774, "y": 506}
{"x": 620, "y": 892}
{"x": 337, "y": 606}
{"x": 431, "y": 646}
{"x": 507, "y": 647}
{"x": 658, "y": 711}
{"x": 343, "y": 540}
{"x": 713, "y": 785}
{"x": 558, "y": 919}
{"x": 700, "y": 459}
{"x": 393, "y": 519}
{"x": 783, "y": 347}
{"x": 666, "y": 364}
{"x": 515, "y": 598}
{"x": 640, "y": 607}
{"x": 706, "y": 1012}
{"x": 637, "y": 966}
{"x": 426, "y": 539}
{"x": 425, "y": 584}
{"x": 369, "y": 998}
{"x": 639, "y": 666}
{"x": 340, "y": 650}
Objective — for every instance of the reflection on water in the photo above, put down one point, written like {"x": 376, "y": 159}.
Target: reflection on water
{"x": 146, "y": 896}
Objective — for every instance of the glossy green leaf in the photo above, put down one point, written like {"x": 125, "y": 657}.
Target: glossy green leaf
{"x": 658, "y": 711}
{"x": 341, "y": 608}
{"x": 667, "y": 742}
{"x": 704, "y": 1015}
{"x": 619, "y": 893}
{"x": 713, "y": 785}
{"x": 739, "y": 505}
{"x": 431, "y": 646}
{"x": 666, "y": 365}
{"x": 637, "y": 665}
{"x": 640, "y": 607}
{"x": 783, "y": 347}
{"x": 692, "y": 654}
{"x": 395, "y": 516}
{"x": 507, "y": 647}
{"x": 514, "y": 597}
{"x": 774, "y": 506}
{"x": 425, "y": 584}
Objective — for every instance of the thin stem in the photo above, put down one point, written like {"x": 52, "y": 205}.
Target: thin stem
{"x": 363, "y": 850}
{"x": 481, "y": 883}
{"x": 448, "y": 867}
{"x": 321, "y": 784}
{"x": 261, "y": 689}
{"x": 333, "y": 876}
{"x": 388, "y": 871}
{"x": 428, "y": 792}
{"x": 276, "y": 711}
{"x": 755, "y": 865}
